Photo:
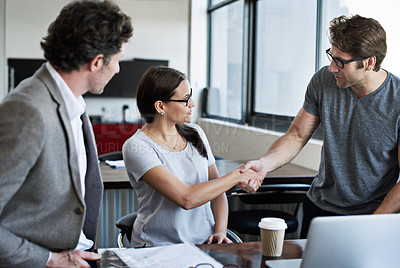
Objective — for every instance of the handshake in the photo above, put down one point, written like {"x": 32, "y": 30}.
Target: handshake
{"x": 251, "y": 175}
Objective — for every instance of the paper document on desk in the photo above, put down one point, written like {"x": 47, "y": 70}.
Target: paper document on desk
{"x": 284, "y": 263}
{"x": 174, "y": 256}
{"x": 116, "y": 163}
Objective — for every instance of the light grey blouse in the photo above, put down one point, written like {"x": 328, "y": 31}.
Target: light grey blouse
{"x": 160, "y": 221}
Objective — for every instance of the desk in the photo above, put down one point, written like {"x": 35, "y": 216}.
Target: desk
{"x": 246, "y": 255}
{"x": 120, "y": 199}
{"x": 114, "y": 178}
{"x": 290, "y": 173}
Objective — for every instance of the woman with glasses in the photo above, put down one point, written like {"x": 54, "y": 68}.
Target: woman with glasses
{"x": 357, "y": 105}
{"x": 172, "y": 169}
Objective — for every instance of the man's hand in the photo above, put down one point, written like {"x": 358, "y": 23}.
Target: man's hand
{"x": 74, "y": 258}
{"x": 253, "y": 185}
{"x": 257, "y": 166}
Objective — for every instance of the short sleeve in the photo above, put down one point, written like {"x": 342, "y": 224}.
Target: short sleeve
{"x": 311, "y": 100}
{"x": 139, "y": 157}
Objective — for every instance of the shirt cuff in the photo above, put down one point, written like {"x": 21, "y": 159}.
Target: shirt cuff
{"x": 49, "y": 257}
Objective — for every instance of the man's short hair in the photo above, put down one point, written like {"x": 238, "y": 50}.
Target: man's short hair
{"x": 84, "y": 29}
{"x": 359, "y": 36}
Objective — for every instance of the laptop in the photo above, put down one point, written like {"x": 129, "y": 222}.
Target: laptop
{"x": 362, "y": 241}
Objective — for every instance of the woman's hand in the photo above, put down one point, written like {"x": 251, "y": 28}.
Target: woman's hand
{"x": 252, "y": 185}
{"x": 250, "y": 180}
{"x": 218, "y": 238}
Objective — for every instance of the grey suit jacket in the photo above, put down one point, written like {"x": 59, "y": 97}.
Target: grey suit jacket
{"x": 41, "y": 202}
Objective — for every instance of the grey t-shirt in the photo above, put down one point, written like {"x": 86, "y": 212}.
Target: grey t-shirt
{"x": 160, "y": 221}
{"x": 359, "y": 157}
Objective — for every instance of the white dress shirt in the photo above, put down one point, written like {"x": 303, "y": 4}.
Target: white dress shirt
{"x": 75, "y": 108}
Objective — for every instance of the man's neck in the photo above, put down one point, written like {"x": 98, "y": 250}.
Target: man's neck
{"x": 75, "y": 80}
{"x": 373, "y": 80}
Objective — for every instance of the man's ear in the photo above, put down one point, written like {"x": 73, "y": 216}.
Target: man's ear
{"x": 370, "y": 65}
{"x": 96, "y": 63}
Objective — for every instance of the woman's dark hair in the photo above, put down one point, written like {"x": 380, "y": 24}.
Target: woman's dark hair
{"x": 160, "y": 83}
{"x": 84, "y": 29}
{"x": 359, "y": 36}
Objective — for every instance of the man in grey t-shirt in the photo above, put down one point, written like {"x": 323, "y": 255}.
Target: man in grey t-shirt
{"x": 357, "y": 105}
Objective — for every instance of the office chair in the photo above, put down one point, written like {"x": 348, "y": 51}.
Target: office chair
{"x": 111, "y": 156}
{"x": 246, "y": 221}
{"x": 125, "y": 224}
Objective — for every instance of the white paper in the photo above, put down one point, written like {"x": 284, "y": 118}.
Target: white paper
{"x": 283, "y": 263}
{"x": 116, "y": 163}
{"x": 181, "y": 255}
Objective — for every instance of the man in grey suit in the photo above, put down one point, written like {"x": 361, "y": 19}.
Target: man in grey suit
{"x": 50, "y": 184}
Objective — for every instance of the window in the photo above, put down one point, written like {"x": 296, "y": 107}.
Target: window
{"x": 263, "y": 53}
{"x": 226, "y": 61}
{"x": 285, "y": 54}
{"x": 384, "y": 11}
{"x": 216, "y": 2}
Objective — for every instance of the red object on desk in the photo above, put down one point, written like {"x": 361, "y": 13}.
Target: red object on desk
{"x": 111, "y": 137}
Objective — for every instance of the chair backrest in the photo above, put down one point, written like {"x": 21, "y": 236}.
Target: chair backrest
{"x": 111, "y": 156}
{"x": 274, "y": 194}
{"x": 125, "y": 224}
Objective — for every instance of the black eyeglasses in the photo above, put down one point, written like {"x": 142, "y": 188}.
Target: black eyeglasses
{"x": 186, "y": 101}
{"x": 340, "y": 63}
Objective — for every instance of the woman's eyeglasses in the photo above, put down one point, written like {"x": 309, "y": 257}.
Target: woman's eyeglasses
{"x": 186, "y": 101}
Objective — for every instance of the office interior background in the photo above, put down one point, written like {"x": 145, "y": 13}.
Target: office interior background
{"x": 255, "y": 57}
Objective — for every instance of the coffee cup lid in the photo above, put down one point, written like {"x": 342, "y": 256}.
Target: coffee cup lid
{"x": 272, "y": 223}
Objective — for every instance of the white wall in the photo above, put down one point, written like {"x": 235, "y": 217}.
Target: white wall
{"x": 160, "y": 32}
{"x": 238, "y": 142}
{"x": 3, "y": 82}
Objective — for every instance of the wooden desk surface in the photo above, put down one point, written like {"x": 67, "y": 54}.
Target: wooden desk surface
{"x": 249, "y": 254}
{"x": 290, "y": 173}
{"x": 246, "y": 255}
{"x": 114, "y": 178}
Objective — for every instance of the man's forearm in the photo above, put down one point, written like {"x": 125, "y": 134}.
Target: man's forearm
{"x": 391, "y": 203}
{"x": 281, "y": 152}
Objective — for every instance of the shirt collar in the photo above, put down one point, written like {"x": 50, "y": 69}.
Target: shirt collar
{"x": 75, "y": 105}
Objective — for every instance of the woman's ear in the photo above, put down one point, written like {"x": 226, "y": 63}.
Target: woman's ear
{"x": 159, "y": 106}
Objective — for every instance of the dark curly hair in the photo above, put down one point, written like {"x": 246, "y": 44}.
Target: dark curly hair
{"x": 160, "y": 83}
{"x": 84, "y": 29}
{"x": 359, "y": 36}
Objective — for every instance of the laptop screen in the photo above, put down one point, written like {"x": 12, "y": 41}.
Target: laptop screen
{"x": 362, "y": 241}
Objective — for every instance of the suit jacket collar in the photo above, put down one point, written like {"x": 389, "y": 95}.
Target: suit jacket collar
{"x": 75, "y": 105}
{"x": 44, "y": 75}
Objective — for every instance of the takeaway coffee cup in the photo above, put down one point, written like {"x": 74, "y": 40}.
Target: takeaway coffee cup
{"x": 272, "y": 232}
